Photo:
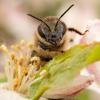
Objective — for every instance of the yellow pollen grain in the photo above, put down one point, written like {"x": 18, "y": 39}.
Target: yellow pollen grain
{"x": 35, "y": 61}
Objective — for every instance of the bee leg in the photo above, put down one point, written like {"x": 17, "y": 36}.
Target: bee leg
{"x": 32, "y": 55}
{"x": 76, "y": 31}
{"x": 36, "y": 62}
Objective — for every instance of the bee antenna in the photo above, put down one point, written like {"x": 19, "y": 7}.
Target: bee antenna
{"x": 40, "y": 20}
{"x": 63, "y": 15}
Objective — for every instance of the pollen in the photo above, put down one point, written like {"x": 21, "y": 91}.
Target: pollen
{"x": 35, "y": 61}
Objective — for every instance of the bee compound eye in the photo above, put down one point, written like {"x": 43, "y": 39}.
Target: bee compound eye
{"x": 61, "y": 29}
{"x": 41, "y": 31}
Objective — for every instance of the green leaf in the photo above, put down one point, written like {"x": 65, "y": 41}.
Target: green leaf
{"x": 64, "y": 68}
{"x": 84, "y": 95}
{"x": 87, "y": 94}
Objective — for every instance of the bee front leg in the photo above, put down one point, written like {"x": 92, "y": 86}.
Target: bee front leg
{"x": 36, "y": 62}
{"x": 76, "y": 31}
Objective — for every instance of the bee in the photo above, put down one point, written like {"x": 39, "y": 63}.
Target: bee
{"x": 50, "y": 39}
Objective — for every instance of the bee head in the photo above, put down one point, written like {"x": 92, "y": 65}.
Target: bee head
{"x": 53, "y": 34}
{"x": 52, "y": 29}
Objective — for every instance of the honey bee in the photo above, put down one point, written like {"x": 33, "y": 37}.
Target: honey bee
{"x": 50, "y": 39}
